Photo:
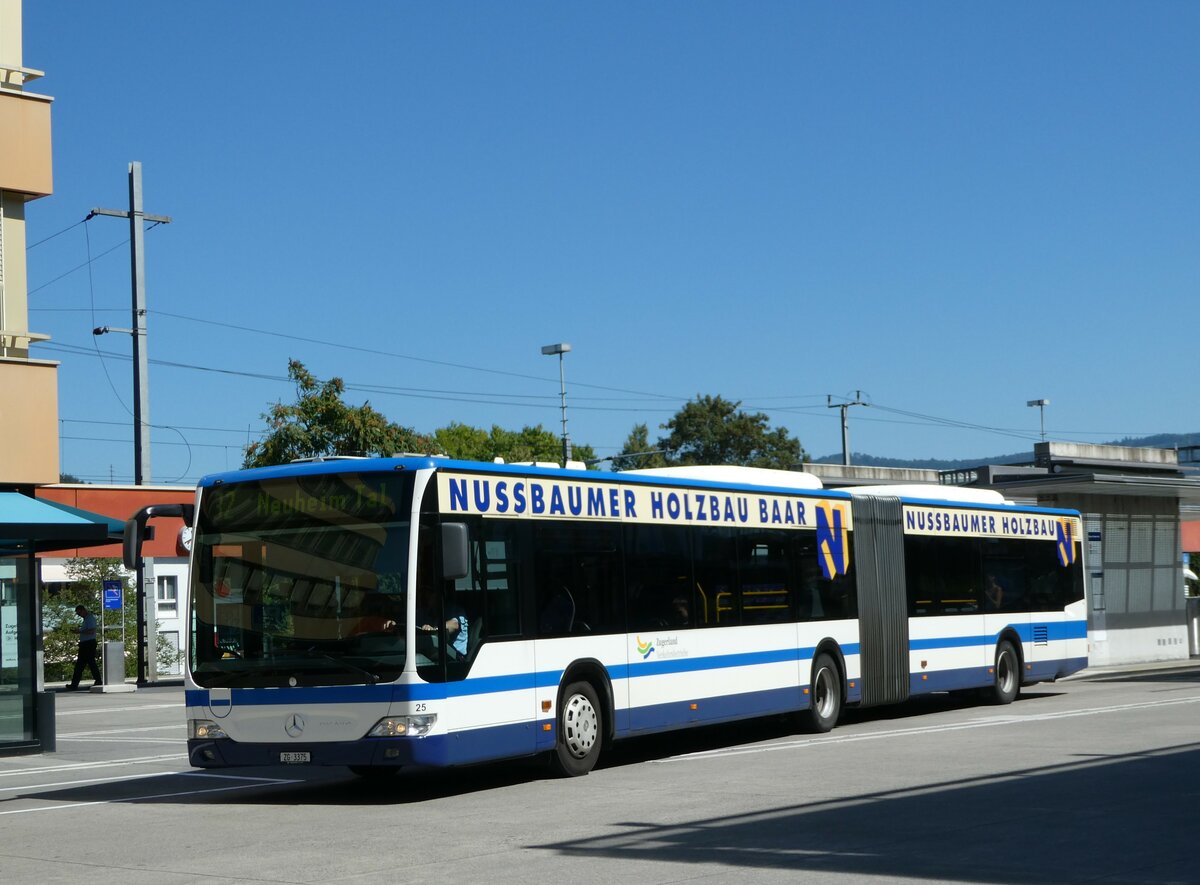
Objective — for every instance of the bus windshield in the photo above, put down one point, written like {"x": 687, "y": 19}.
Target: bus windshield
{"x": 301, "y": 581}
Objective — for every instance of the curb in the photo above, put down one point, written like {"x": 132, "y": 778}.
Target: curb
{"x": 1164, "y": 667}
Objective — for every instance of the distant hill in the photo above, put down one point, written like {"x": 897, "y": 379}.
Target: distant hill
{"x": 1157, "y": 441}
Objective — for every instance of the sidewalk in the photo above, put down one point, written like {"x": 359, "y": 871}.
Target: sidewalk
{"x": 85, "y": 685}
{"x": 1179, "y": 665}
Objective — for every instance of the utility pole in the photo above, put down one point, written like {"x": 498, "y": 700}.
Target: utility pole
{"x": 147, "y": 640}
{"x": 845, "y": 421}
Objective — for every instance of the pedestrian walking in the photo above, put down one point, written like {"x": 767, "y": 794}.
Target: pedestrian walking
{"x": 87, "y": 648}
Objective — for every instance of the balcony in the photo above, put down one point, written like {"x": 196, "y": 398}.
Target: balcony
{"x": 25, "y": 159}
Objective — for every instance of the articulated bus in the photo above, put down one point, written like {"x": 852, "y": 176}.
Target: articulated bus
{"x": 390, "y": 613}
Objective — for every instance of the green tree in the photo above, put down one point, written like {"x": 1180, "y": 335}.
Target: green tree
{"x": 86, "y": 577}
{"x": 319, "y": 423}
{"x": 527, "y": 444}
{"x": 462, "y": 441}
{"x": 639, "y": 453}
{"x": 712, "y": 430}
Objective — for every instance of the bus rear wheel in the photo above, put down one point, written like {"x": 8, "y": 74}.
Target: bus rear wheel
{"x": 1006, "y": 675}
{"x": 580, "y": 728}
{"x": 825, "y": 695}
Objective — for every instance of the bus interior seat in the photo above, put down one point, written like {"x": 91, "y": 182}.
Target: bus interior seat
{"x": 558, "y": 616}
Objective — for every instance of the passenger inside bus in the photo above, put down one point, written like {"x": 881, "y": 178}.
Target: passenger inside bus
{"x": 994, "y": 593}
{"x": 430, "y": 611}
{"x": 557, "y": 613}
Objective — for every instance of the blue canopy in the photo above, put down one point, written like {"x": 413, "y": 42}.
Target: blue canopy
{"x": 33, "y": 525}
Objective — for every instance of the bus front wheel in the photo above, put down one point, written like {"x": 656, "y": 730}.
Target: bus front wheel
{"x": 825, "y": 695}
{"x": 580, "y": 727}
{"x": 1006, "y": 675}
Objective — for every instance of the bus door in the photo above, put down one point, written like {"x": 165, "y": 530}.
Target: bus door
{"x": 490, "y": 674}
{"x": 576, "y": 615}
{"x": 1008, "y": 596}
{"x": 1050, "y": 578}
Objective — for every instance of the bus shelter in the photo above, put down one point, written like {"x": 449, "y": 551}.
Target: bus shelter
{"x": 27, "y": 527}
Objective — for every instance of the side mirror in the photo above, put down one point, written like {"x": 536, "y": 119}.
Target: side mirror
{"x": 455, "y": 562}
{"x": 136, "y": 532}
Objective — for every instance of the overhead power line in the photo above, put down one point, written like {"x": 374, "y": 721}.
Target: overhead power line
{"x": 52, "y": 236}
{"x": 501, "y": 399}
{"x": 78, "y": 267}
{"x": 402, "y": 356}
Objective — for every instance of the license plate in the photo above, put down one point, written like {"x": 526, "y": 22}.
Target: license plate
{"x": 295, "y": 758}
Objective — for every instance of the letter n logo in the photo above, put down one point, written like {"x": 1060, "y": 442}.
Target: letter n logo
{"x": 833, "y": 548}
{"x": 1065, "y": 532}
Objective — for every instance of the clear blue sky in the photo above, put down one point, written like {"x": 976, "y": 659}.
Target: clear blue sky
{"x": 952, "y": 207}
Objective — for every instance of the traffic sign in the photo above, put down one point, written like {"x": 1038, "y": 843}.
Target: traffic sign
{"x": 112, "y": 595}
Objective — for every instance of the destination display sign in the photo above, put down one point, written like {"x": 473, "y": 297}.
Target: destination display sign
{"x": 920, "y": 520}
{"x": 551, "y": 498}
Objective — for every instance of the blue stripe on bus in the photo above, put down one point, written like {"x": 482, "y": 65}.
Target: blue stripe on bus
{"x": 720, "y": 708}
{"x": 406, "y": 692}
{"x": 717, "y": 662}
{"x": 525, "y": 738}
{"x": 975, "y": 677}
{"x": 1055, "y": 632}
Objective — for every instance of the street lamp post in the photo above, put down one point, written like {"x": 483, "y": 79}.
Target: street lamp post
{"x": 560, "y": 349}
{"x": 1041, "y": 405}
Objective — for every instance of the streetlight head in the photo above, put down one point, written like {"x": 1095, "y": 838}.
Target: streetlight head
{"x": 552, "y": 349}
{"x": 1038, "y": 402}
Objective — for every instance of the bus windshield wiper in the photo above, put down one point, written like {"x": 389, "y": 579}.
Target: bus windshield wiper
{"x": 315, "y": 652}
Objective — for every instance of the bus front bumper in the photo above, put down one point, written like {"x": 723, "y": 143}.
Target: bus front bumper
{"x": 375, "y": 752}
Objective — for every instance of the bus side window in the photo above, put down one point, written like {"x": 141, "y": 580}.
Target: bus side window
{"x": 658, "y": 569}
{"x": 577, "y": 572}
{"x": 951, "y": 570}
{"x": 766, "y": 567}
{"x": 716, "y": 576}
{"x": 1006, "y": 575}
{"x": 821, "y": 598}
{"x": 488, "y": 593}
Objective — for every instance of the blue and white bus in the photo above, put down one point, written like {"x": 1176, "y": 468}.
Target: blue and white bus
{"x": 411, "y": 612}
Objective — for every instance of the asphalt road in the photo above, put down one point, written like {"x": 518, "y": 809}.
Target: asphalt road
{"x": 1089, "y": 780}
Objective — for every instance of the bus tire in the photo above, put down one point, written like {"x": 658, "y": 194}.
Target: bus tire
{"x": 1006, "y": 675}
{"x": 825, "y": 695}
{"x": 580, "y": 731}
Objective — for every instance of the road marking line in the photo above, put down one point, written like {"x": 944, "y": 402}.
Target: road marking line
{"x": 172, "y": 741}
{"x": 90, "y": 780}
{"x": 925, "y": 729}
{"x": 144, "y": 798}
{"x": 75, "y": 734}
{"x": 134, "y": 777}
{"x": 80, "y": 766}
{"x": 87, "y": 712}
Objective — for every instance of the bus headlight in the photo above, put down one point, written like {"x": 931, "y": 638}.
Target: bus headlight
{"x": 205, "y": 730}
{"x": 403, "y": 726}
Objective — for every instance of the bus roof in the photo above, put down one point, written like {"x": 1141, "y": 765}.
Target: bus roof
{"x": 729, "y": 475}
{"x": 735, "y": 475}
{"x": 930, "y": 492}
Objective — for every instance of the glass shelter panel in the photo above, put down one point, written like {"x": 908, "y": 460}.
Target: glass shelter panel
{"x": 17, "y": 683}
